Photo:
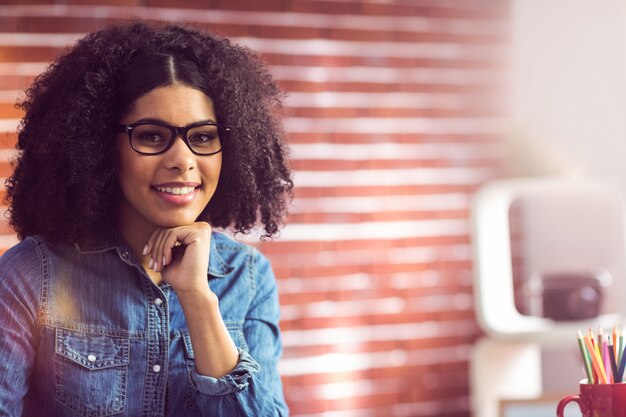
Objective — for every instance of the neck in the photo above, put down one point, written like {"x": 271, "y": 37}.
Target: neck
{"x": 135, "y": 230}
{"x": 136, "y": 233}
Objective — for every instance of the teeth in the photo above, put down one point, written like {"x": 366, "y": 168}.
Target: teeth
{"x": 176, "y": 190}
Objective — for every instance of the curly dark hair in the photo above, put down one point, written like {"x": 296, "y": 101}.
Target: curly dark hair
{"x": 65, "y": 184}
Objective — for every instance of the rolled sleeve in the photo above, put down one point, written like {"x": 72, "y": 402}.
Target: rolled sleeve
{"x": 237, "y": 380}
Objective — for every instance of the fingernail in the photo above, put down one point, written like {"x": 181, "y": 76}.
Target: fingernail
{"x": 151, "y": 263}
{"x": 164, "y": 260}
{"x": 145, "y": 250}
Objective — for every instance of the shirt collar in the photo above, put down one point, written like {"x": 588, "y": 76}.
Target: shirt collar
{"x": 218, "y": 268}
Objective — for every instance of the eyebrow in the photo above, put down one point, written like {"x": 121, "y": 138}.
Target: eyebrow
{"x": 161, "y": 121}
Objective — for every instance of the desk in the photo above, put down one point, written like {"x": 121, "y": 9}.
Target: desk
{"x": 542, "y": 407}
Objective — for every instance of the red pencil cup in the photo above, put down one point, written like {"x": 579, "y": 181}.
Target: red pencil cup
{"x": 597, "y": 400}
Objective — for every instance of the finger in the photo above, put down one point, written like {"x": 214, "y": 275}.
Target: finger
{"x": 170, "y": 252}
{"x": 150, "y": 242}
{"x": 153, "y": 247}
{"x": 159, "y": 249}
{"x": 170, "y": 243}
{"x": 150, "y": 246}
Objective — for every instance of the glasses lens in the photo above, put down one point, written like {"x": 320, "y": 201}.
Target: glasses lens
{"x": 150, "y": 138}
{"x": 204, "y": 139}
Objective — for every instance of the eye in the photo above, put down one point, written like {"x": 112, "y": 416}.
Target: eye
{"x": 203, "y": 136}
{"x": 153, "y": 137}
{"x": 150, "y": 136}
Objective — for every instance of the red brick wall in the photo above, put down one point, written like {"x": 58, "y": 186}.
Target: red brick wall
{"x": 394, "y": 116}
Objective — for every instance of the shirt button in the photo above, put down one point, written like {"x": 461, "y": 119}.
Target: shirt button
{"x": 91, "y": 358}
{"x": 156, "y": 368}
{"x": 124, "y": 254}
{"x": 158, "y": 301}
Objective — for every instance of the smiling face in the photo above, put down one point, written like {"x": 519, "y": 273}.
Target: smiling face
{"x": 170, "y": 189}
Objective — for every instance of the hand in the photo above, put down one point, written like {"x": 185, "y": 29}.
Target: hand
{"x": 181, "y": 255}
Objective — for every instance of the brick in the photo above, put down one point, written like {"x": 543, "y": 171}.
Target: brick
{"x": 9, "y": 24}
{"x": 5, "y": 169}
{"x": 326, "y": 7}
{"x": 8, "y": 140}
{"x": 306, "y": 137}
{"x": 8, "y": 111}
{"x": 15, "y": 82}
{"x": 370, "y": 217}
{"x": 20, "y": 2}
{"x": 371, "y": 112}
{"x": 30, "y": 53}
{"x": 342, "y": 191}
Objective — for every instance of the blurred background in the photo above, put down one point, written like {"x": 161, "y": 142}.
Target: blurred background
{"x": 397, "y": 112}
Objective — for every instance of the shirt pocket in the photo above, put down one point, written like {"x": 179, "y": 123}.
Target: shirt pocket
{"x": 91, "y": 372}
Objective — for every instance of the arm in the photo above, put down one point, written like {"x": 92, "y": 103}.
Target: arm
{"x": 262, "y": 331}
{"x": 254, "y": 386}
{"x": 19, "y": 296}
{"x": 184, "y": 268}
{"x": 215, "y": 353}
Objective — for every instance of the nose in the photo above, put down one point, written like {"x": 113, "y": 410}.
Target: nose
{"x": 179, "y": 156}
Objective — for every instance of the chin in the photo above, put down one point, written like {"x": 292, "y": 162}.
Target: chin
{"x": 169, "y": 223}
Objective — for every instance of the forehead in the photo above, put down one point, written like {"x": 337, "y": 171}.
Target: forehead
{"x": 176, "y": 104}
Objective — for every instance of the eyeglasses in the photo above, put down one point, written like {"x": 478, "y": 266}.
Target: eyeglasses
{"x": 153, "y": 138}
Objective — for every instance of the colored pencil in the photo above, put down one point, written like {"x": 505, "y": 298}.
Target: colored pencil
{"x": 605, "y": 359}
{"x": 590, "y": 352}
{"x": 614, "y": 372}
{"x": 586, "y": 359}
{"x": 621, "y": 345}
{"x": 614, "y": 339}
{"x": 622, "y": 364}
{"x": 600, "y": 341}
{"x": 596, "y": 361}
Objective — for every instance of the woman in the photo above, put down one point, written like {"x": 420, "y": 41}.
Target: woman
{"x": 120, "y": 298}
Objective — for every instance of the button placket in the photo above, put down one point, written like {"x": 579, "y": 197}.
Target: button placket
{"x": 157, "y": 343}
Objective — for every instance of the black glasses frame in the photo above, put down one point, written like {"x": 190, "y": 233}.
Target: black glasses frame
{"x": 176, "y": 131}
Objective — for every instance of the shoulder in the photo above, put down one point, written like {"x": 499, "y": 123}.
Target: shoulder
{"x": 232, "y": 256}
{"x": 22, "y": 275}
{"x": 248, "y": 287}
{"x": 21, "y": 258}
{"x": 223, "y": 241}
{"x": 230, "y": 249}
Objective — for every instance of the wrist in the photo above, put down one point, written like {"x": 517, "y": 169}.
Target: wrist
{"x": 197, "y": 296}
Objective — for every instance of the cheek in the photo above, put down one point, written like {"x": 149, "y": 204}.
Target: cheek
{"x": 130, "y": 170}
{"x": 125, "y": 171}
{"x": 213, "y": 167}
{"x": 218, "y": 166}
{"x": 122, "y": 162}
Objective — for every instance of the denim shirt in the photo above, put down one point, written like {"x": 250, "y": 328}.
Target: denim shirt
{"x": 85, "y": 332}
